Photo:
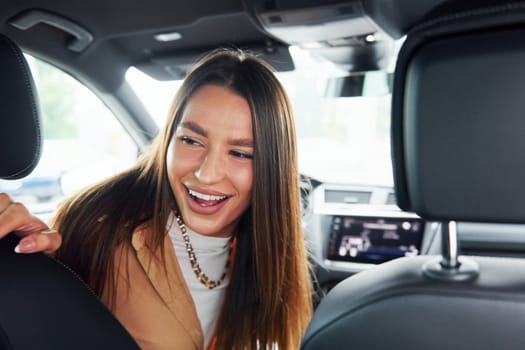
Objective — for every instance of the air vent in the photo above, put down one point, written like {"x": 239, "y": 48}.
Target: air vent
{"x": 349, "y": 197}
{"x": 391, "y": 199}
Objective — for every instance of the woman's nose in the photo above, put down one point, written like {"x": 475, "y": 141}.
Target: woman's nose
{"x": 211, "y": 168}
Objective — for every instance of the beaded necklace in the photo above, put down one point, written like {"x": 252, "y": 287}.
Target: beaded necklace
{"x": 201, "y": 276}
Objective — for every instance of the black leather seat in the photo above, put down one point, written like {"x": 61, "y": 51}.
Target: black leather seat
{"x": 43, "y": 304}
{"x": 458, "y": 127}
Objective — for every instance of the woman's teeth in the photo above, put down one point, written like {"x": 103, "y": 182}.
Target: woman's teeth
{"x": 206, "y": 197}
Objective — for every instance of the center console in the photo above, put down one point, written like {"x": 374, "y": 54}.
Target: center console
{"x": 351, "y": 228}
{"x": 373, "y": 240}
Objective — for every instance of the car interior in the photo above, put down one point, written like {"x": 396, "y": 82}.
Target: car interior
{"x": 446, "y": 134}
{"x": 416, "y": 230}
{"x": 42, "y": 301}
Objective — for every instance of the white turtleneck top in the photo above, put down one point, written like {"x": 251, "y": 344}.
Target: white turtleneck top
{"x": 212, "y": 255}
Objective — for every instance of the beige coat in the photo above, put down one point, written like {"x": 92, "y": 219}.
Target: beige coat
{"x": 158, "y": 312}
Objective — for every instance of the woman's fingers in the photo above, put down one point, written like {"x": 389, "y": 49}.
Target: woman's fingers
{"x": 16, "y": 217}
{"x": 47, "y": 241}
{"x": 5, "y": 200}
{"x": 36, "y": 236}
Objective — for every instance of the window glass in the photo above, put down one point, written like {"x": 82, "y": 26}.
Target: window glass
{"x": 83, "y": 141}
{"x": 340, "y": 139}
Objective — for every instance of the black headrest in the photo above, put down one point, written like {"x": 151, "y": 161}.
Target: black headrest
{"x": 458, "y": 116}
{"x": 20, "y": 135}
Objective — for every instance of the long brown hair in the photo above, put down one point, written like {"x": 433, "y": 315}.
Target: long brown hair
{"x": 268, "y": 302}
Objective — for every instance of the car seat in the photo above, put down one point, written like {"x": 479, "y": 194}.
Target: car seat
{"x": 43, "y": 304}
{"x": 458, "y": 126}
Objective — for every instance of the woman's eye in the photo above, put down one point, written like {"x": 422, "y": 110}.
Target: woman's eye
{"x": 241, "y": 155}
{"x": 189, "y": 141}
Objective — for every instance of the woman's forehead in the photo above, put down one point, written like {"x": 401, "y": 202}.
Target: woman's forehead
{"x": 215, "y": 108}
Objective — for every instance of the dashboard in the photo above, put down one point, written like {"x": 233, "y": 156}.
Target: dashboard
{"x": 373, "y": 240}
{"x": 350, "y": 228}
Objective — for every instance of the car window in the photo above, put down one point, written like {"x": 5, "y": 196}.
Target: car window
{"x": 340, "y": 139}
{"x": 335, "y": 134}
{"x": 83, "y": 141}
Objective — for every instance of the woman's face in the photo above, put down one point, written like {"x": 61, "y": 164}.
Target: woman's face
{"x": 210, "y": 161}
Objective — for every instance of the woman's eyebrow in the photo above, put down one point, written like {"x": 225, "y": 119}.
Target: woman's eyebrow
{"x": 241, "y": 142}
{"x": 195, "y": 128}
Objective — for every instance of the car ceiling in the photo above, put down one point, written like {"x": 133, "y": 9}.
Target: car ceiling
{"x": 123, "y": 31}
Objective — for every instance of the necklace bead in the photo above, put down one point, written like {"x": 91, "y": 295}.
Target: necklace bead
{"x": 201, "y": 276}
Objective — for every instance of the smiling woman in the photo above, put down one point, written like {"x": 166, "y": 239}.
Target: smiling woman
{"x": 204, "y": 231}
{"x": 209, "y": 160}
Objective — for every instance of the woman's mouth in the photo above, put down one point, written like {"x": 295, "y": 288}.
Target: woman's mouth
{"x": 206, "y": 200}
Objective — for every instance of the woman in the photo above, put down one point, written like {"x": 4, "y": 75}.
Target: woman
{"x": 200, "y": 243}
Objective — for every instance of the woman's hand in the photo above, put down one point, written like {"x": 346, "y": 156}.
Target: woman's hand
{"x": 35, "y": 234}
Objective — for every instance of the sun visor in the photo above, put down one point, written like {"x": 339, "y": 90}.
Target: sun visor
{"x": 167, "y": 66}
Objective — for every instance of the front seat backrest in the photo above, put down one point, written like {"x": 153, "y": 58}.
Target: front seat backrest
{"x": 20, "y": 136}
{"x": 458, "y": 126}
{"x": 43, "y": 304}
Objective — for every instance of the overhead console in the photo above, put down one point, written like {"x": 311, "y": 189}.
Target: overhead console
{"x": 340, "y": 31}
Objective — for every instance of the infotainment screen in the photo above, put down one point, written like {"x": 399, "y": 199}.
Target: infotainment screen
{"x": 374, "y": 240}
